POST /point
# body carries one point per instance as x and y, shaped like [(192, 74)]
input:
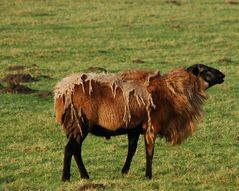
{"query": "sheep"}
[(132, 103)]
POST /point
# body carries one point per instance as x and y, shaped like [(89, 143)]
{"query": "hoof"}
[(66, 177), (124, 171), (148, 176)]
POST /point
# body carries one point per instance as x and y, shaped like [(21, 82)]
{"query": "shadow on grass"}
[(7, 179), (90, 186)]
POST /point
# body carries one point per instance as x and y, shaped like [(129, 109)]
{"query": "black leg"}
[(132, 146), (78, 159), (67, 160), (149, 147)]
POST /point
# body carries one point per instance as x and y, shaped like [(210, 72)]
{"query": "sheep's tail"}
[(59, 109), (69, 118)]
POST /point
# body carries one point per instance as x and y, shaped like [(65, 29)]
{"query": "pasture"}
[(43, 41)]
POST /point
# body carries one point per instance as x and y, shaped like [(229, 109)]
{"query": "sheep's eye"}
[(209, 76)]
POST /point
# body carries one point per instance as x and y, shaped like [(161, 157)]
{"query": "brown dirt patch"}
[(96, 70), (34, 65), (12, 83), (16, 68), (175, 26), (90, 186), (138, 61), (102, 51), (18, 78), (232, 2), (44, 94), (174, 2), (45, 76), (225, 60), (17, 88)]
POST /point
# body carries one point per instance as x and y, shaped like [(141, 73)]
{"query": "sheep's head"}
[(210, 75)]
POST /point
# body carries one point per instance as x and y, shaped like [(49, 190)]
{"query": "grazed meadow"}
[(52, 39)]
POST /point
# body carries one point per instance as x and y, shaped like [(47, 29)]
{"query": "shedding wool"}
[(91, 85), (168, 105)]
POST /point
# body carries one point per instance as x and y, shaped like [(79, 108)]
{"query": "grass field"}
[(52, 39)]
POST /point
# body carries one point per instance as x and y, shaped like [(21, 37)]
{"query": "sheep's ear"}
[(154, 76), (194, 70), (157, 73)]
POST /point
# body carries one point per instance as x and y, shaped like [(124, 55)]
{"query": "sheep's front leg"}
[(149, 147), (132, 146), (69, 150)]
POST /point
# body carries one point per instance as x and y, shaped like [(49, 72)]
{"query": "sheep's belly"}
[(102, 132)]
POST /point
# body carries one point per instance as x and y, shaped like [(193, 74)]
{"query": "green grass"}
[(66, 36)]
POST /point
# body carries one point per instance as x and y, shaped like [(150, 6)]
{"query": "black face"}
[(211, 75)]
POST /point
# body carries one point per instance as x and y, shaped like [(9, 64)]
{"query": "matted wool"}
[(65, 88)]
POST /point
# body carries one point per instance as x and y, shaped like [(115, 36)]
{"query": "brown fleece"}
[(168, 105)]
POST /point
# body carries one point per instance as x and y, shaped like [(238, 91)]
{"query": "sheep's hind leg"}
[(132, 146), (78, 158), (69, 150)]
